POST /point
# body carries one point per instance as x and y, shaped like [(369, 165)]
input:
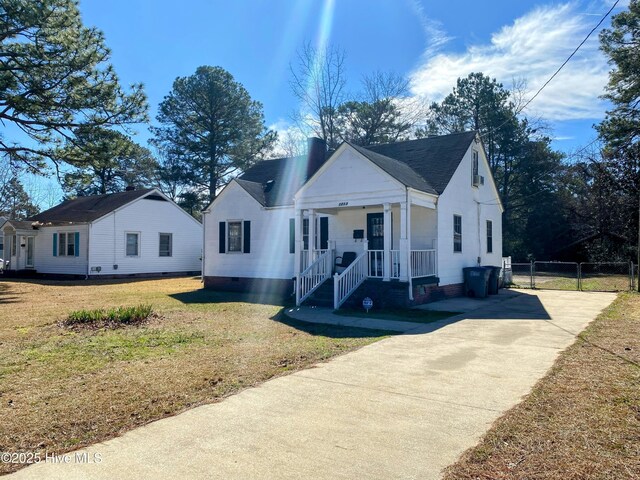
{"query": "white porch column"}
[(404, 243), (312, 235), (297, 241), (386, 264)]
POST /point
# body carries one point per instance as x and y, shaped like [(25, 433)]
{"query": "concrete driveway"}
[(404, 407)]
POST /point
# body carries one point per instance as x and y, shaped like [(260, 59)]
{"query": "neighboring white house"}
[(137, 232), (412, 213)]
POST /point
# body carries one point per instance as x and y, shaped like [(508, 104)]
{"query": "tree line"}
[(71, 117)]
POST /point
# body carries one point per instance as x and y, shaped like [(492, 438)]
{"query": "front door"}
[(375, 236), (30, 252), (375, 231)]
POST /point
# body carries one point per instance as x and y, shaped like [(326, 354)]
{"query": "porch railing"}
[(377, 260), (395, 264), (423, 263), (313, 276), (304, 258), (344, 284)]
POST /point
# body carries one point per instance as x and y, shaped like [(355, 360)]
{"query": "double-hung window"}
[(132, 244), (457, 233), (166, 244), (489, 236), (66, 244), (234, 237)]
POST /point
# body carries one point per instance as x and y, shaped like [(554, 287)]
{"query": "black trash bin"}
[(494, 279), (476, 281)]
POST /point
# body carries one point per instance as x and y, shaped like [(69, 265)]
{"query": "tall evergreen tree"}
[(620, 130), (54, 77), (216, 127), (15, 202), (105, 161)]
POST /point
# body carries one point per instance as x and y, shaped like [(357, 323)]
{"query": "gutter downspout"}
[(88, 250)]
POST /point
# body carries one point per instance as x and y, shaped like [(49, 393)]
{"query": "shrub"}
[(111, 316)]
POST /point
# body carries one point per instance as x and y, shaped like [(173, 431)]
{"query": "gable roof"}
[(87, 209), (273, 183), (17, 224), (433, 160), (397, 169)]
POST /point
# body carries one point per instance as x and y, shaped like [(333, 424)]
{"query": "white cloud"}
[(533, 47)]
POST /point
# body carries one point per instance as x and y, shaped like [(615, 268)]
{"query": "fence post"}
[(579, 272), (632, 277), (532, 281)]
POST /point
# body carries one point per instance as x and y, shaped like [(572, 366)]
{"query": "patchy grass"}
[(61, 388), (109, 317), (400, 314), (580, 421)]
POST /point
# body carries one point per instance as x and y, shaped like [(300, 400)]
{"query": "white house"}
[(137, 232), (2, 220), (409, 214)]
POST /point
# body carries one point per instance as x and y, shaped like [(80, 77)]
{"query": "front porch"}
[(389, 242)]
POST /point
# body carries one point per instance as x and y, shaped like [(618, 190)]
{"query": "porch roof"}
[(18, 224)]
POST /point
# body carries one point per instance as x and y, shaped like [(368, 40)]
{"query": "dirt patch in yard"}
[(62, 389), (580, 421)]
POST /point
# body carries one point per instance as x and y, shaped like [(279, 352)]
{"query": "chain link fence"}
[(586, 276)]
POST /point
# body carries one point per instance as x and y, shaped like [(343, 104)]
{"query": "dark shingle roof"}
[(18, 224), (398, 170), (87, 209), (434, 159), (286, 175), (426, 164)]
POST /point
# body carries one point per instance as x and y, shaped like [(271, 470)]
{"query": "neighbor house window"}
[(234, 239), (457, 233), (166, 244), (66, 244), (489, 236), (14, 244), (133, 244)]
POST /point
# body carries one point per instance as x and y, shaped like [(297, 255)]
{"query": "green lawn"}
[(66, 387)]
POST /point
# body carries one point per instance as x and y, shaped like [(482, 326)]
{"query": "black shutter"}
[(221, 239), (324, 233), (292, 235), (247, 237)]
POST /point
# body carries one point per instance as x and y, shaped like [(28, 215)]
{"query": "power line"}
[(560, 67)]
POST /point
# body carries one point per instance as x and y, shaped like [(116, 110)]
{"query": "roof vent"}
[(268, 185)]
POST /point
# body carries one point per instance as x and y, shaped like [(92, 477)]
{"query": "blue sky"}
[(432, 43)]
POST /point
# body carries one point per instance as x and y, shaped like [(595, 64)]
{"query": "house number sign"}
[(343, 204)]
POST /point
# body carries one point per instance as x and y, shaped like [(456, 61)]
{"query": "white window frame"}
[(475, 164), (126, 253), (240, 237), (170, 244), (489, 224), (64, 252), (455, 234)]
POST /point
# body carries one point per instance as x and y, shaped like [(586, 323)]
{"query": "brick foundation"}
[(433, 293), (275, 286)]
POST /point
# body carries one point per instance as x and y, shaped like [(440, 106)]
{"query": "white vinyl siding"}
[(149, 218)]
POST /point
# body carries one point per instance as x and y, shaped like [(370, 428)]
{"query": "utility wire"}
[(559, 68)]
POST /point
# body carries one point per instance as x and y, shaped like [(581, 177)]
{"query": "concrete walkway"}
[(404, 407)]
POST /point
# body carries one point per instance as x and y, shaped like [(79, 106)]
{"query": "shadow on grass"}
[(6, 294), (205, 295), (60, 282)]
